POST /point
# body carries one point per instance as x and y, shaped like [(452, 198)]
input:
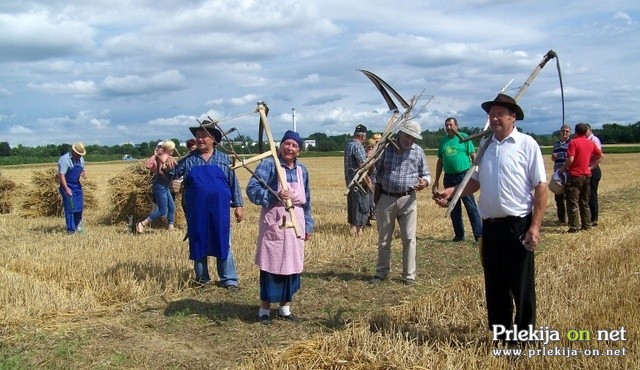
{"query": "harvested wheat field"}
[(109, 299)]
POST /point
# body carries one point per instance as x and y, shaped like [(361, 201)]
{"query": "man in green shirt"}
[(455, 159)]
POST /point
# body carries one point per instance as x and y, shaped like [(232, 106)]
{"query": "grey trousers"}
[(405, 210)]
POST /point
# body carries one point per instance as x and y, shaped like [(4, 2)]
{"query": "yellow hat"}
[(369, 143), (168, 145)]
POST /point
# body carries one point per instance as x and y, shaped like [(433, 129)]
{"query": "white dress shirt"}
[(508, 173)]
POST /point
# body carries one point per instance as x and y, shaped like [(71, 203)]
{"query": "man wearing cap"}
[(357, 199), (70, 169), (582, 156), (512, 202), (402, 170), (210, 190), (454, 158)]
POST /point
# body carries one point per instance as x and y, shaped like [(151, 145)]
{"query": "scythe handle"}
[(548, 56), (456, 196)]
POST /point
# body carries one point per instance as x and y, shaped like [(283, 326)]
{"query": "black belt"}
[(503, 220), (397, 195), (458, 173)]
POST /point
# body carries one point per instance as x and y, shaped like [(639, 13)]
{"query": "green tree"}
[(5, 149)]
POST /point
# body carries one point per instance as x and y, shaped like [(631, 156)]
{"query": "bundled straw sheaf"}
[(7, 193), (43, 199), (131, 195)]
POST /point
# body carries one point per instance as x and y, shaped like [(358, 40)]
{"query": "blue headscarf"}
[(293, 136)]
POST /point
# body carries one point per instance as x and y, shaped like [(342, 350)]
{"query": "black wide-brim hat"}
[(504, 100), (207, 125)]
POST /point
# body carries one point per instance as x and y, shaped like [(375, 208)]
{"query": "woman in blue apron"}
[(70, 169)]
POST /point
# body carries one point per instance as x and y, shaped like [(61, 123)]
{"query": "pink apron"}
[(279, 251)]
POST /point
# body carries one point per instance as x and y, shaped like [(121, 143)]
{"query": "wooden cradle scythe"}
[(263, 110), (487, 132)]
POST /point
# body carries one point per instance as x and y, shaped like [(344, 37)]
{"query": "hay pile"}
[(7, 193), (43, 199), (130, 195)]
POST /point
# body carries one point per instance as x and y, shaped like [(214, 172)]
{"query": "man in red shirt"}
[(581, 155)]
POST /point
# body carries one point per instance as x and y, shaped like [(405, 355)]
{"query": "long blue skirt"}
[(278, 288)]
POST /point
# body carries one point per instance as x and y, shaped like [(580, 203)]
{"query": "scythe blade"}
[(382, 82), (377, 82)]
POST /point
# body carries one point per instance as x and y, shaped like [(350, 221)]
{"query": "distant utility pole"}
[(293, 118)]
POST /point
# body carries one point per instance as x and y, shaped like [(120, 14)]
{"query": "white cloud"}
[(623, 17), (133, 84), (20, 130), (119, 71), (40, 35), (72, 88)]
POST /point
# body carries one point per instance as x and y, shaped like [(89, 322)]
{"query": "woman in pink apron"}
[(279, 252)]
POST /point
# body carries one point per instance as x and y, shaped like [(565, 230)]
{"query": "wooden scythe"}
[(273, 152), (483, 146)]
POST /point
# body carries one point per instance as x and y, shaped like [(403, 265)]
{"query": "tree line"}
[(611, 133)]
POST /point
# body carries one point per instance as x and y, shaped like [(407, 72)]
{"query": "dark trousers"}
[(561, 209), (577, 190), (508, 273), (596, 175), (469, 203)]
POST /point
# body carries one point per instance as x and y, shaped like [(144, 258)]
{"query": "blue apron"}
[(208, 200)]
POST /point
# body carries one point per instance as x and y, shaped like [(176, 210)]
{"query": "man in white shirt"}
[(512, 203)]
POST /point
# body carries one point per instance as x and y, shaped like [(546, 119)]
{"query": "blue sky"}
[(110, 72)]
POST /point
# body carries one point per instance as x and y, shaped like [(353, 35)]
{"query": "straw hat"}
[(168, 145), (78, 148), (556, 187)]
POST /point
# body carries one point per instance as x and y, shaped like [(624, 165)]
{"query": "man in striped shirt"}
[(559, 156)]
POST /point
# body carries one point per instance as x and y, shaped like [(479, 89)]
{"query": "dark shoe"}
[(477, 237), (572, 230), (409, 282), (561, 222), (232, 288), (375, 280), (594, 223), (265, 320), (290, 317), (458, 239)]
